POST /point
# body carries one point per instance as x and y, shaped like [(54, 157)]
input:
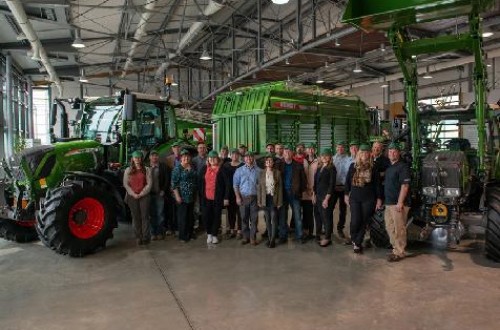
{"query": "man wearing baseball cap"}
[(160, 186), (397, 203), (342, 162)]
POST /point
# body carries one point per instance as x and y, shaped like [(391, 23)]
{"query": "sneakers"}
[(209, 239), (215, 240)]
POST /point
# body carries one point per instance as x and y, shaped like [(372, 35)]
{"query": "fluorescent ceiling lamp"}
[(319, 80), (357, 68), (287, 61), (280, 2), (382, 47), (78, 42), (337, 43), (384, 85), (427, 75), (487, 34), (83, 79), (205, 56)]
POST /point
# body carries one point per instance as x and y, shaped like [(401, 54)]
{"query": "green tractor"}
[(70, 194), (454, 185)]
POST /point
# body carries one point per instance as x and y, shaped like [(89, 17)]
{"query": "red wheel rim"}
[(86, 218)]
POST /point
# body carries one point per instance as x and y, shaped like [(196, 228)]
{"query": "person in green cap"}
[(233, 210), (363, 193), (342, 161), (160, 188), (324, 187), (175, 158), (212, 190), (137, 182), (184, 185), (353, 149), (172, 161), (310, 167), (397, 202), (270, 197)]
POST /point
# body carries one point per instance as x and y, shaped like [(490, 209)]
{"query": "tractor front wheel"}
[(20, 232), (492, 237), (77, 220)]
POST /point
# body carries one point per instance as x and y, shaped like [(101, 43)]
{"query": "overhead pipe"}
[(432, 68), (17, 9), (195, 28), (140, 32)]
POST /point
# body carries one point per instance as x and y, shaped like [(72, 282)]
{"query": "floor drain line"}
[(171, 289)]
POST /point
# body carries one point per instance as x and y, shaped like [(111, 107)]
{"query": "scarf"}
[(362, 174)]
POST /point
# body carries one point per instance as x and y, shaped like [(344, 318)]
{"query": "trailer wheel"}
[(378, 234), (14, 231), (77, 220), (492, 237)]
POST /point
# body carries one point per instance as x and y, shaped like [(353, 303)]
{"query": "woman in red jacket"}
[(137, 183)]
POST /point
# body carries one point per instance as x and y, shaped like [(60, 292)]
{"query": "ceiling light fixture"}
[(384, 85), (382, 47), (287, 61), (78, 42), (34, 54), (337, 43), (319, 80), (427, 75), (357, 68), (205, 56), (487, 34), (280, 2)]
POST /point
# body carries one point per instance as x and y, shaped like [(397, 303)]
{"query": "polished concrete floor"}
[(171, 285)]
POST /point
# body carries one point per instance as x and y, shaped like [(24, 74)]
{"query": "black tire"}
[(57, 221), (12, 231), (378, 234), (492, 234)]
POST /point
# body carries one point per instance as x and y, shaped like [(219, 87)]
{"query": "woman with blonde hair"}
[(363, 193)]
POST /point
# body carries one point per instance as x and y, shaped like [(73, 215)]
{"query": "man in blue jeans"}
[(294, 184), (245, 181)]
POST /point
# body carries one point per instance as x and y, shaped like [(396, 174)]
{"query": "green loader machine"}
[(288, 113), (70, 194), (454, 185)]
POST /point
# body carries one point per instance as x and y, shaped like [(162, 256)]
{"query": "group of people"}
[(286, 177)]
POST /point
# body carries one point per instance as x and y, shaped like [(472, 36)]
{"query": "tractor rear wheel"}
[(77, 220), (492, 237), (378, 235), (14, 231)]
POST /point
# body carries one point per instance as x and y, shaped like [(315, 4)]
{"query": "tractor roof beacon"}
[(457, 186)]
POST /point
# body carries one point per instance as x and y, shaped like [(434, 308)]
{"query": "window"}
[(445, 129), (41, 111)]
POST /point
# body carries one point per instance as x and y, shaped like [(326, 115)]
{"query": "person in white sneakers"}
[(212, 192)]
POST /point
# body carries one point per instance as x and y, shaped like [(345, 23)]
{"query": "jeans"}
[(308, 216), (361, 213), (271, 216), (171, 206), (249, 211), (212, 214), (185, 220), (157, 214), (326, 216), (290, 200), (339, 195)]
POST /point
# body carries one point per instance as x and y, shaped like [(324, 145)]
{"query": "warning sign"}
[(199, 134)]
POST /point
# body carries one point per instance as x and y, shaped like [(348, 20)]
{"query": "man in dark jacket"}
[(294, 184), (161, 186)]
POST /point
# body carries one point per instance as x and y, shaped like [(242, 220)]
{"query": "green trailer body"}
[(275, 112)]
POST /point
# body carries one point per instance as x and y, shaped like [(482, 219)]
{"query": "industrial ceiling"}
[(135, 44)]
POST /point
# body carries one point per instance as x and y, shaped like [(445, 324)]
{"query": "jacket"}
[(145, 191), (324, 181), (164, 177), (220, 186), (310, 169), (299, 180), (278, 189)]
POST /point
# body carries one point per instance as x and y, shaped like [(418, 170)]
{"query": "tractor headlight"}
[(429, 191), (451, 192)]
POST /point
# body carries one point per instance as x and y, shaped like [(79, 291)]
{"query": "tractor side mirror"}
[(53, 114), (129, 107)]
